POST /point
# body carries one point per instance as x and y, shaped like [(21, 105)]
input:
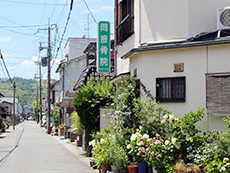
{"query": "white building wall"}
[(72, 72), (197, 62), (75, 46)]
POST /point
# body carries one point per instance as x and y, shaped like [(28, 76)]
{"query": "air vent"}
[(179, 67), (223, 18)]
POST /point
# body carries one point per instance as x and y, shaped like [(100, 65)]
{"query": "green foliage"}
[(77, 126), (88, 100), (110, 149), (36, 109), (127, 108), (26, 89), (56, 116)]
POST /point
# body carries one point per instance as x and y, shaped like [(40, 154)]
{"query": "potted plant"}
[(101, 154), (120, 158)]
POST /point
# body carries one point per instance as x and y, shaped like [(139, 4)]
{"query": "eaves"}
[(174, 46), (69, 61)]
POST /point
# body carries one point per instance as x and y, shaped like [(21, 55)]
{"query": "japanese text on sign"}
[(103, 46)]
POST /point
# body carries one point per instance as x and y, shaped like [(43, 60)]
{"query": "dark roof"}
[(202, 39), (91, 71), (1, 95)]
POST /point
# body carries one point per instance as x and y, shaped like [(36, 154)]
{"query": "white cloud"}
[(29, 64), (107, 8), (5, 39)]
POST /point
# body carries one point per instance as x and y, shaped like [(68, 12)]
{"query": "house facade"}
[(70, 69), (178, 53)]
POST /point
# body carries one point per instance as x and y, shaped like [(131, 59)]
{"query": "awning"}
[(70, 93), (67, 103)]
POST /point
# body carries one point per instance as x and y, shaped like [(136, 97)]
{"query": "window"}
[(124, 19), (218, 94), (170, 89)]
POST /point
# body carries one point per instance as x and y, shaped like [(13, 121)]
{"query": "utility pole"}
[(48, 99), (37, 114), (14, 85), (40, 92), (48, 76)]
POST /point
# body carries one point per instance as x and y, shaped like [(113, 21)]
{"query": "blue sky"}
[(21, 19)]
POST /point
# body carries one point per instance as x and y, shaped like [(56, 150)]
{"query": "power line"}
[(23, 26), (90, 11), (17, 32), (67, 21), (13, 22), (33, 3)]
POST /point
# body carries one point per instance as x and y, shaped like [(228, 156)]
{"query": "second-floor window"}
[(124, 19), (170, 89)]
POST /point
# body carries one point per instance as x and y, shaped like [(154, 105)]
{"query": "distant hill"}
[(26, 89)]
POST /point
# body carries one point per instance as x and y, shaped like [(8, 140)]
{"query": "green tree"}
[(88, 100)]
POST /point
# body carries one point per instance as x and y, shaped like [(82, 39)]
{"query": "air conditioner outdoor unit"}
[(223, 18)]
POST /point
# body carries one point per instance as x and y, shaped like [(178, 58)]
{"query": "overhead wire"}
[(14, 22), (65, 28), (90, 11), (32, 3)]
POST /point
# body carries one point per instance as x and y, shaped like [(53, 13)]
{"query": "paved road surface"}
[(29, 149)]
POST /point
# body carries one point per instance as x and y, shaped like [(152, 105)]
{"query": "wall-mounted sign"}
[(103, 46)]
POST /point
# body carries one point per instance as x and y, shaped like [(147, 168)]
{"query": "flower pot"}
[(105, 167), (101, 171), (124, 170), (153, 170), (142, 167), (133, 169), (114, 168)]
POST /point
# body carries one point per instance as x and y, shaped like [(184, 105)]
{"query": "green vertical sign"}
[(103, 46)]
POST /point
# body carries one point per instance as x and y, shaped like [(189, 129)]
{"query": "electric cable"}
[(67, 21), (32, 3), (90, 11), (14, 22)]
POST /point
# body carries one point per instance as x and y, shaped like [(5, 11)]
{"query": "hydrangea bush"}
[(154, 135)]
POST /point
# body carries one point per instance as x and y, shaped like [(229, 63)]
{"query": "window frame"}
[(124, 20), (171, 93)]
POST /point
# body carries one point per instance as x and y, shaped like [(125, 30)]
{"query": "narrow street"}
[(29, 149)]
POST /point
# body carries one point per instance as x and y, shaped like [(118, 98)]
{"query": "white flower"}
[(165, 117), (176, 119), (128, 146), (101, 139), (171, 117), (138, 133), (146, 136), (174, 141), (92, 142), (140, 127), (133, 137), (226, 159), (167, 142), (162, 121)]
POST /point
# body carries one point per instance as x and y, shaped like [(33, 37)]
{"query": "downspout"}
[(207, 86)]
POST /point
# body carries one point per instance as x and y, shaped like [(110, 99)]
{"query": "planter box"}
[(61, 132)]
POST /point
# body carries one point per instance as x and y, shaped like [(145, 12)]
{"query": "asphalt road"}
[(29, 149)]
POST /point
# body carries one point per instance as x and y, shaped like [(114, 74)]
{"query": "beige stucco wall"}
[(197, 62), (157, 21), (169, 20)]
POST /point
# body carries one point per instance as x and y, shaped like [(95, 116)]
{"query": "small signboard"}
[(103, 46), (43, 104)]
